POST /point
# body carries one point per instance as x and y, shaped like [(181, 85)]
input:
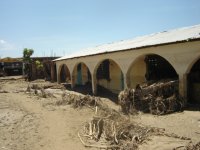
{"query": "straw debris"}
[(158, 98)]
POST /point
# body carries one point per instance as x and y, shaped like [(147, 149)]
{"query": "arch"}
[(149, 67), (81, 76), (193, 82), (108, 75), (64, 74), (191, 64)]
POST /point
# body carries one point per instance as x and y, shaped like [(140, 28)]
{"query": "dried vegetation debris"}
[(190, 146), (45, 85), (116, 134), (193, 146), (108, 128), (78, 100), (39, 90), (158, 98)]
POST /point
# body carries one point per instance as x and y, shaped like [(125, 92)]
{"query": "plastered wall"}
[(180, 55), (136, 74), (114, 84)]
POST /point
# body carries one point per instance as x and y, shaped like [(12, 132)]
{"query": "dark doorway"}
[(194, 84), (157, 68), (65, 75)]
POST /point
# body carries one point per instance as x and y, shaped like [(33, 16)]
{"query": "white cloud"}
[(2, 41), (4, 45)]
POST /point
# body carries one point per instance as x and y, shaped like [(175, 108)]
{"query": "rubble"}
[(193, 146), (38, 90), (79, 100), (108, 129), (158, 98)]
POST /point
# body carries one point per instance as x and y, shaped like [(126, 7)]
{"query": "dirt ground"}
[(29, 122)]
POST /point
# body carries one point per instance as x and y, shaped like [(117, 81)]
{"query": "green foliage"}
[(27, 55), (39, 65)]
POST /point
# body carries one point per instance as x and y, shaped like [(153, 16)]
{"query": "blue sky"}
[(61, 27)]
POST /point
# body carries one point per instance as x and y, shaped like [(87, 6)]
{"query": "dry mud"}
[(29, 122)]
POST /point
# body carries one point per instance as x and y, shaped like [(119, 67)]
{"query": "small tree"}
[(27, 53), (39, 65)]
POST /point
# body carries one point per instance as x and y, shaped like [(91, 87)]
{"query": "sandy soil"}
[(29, 122)]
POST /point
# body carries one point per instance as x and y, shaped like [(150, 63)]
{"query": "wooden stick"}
[(96, 110), (97, 146), (90, 128)]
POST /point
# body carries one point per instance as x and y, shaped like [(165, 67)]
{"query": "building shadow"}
[(83, 89), (87, 90), (105, 93), (192, 107)]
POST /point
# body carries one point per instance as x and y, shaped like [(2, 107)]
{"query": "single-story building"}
[(173, 54), (11, 66)]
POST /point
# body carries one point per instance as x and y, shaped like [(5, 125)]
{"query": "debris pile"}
[(112, 131), (108, 129), (38, 90), (193, 147), (158, 98), (79, 100), (45, 85)]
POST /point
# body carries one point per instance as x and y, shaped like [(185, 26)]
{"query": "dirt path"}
[(52, 129), (57, 129)]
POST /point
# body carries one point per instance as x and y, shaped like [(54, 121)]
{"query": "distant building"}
[(48, 71), (11, 66)]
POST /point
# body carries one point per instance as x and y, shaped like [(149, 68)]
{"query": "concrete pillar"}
[(72, 81), (183, 85), (125, 81), (94, 84)]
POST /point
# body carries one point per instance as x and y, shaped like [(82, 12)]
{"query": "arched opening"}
[(65, 74), (82, 78), (150, 68), (109, 76), (194, 84)]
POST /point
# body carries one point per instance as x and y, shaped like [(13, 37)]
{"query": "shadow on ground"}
[(87, 90)]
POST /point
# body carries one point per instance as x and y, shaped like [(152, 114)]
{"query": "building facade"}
[(171, 54), (11, 66)]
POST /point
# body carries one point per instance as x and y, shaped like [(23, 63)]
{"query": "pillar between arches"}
[(183, 86), (72, 82), (94, 84)]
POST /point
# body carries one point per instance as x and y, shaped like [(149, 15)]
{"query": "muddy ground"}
[(29, 122)]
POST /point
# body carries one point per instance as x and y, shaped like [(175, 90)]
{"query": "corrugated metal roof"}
[(166, 37)]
